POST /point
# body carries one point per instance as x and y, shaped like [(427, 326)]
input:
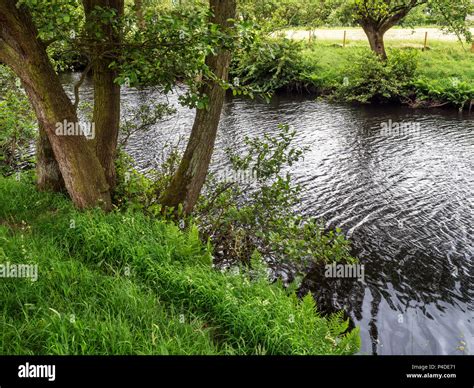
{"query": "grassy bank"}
[(122, 283), (329, 61), (441, 75)]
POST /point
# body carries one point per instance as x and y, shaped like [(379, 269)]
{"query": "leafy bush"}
[(245, 219), (270, 65), (254, 217), (141, 191), (275, 14), (368, 79), (135, 190), (17, 123), (445, 91)]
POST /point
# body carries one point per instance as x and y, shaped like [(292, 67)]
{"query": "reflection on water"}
[(405, 196)]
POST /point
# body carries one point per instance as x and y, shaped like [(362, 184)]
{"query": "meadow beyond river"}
[(399, 182)]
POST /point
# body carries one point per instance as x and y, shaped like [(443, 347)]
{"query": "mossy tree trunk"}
[(21, 50), (106, 116), (48, 174), (376, 40), (187, 183)]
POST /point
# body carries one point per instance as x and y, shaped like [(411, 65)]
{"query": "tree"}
[(377, 16), (278, 14), (105, 40), (139, 13), (25, 54), (187, 183)]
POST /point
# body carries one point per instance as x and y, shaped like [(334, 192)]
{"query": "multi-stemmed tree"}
[(75, 161), (150, 51)]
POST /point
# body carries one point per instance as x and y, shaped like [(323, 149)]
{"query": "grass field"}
[(443, 60)]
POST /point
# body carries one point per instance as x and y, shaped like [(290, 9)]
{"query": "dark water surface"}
[(405, 198)]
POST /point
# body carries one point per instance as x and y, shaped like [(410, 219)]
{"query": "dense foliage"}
[(252, 209), (17, 124), (276, 14), (270, 65), (249, 210), (368, 79)]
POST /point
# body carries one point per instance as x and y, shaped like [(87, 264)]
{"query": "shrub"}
[(17, 123), (269, 65), (141, 191), (445, 91), (243, 219), (369, 79)]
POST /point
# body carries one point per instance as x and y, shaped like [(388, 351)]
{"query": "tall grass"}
[(134, 285), (73, 309)]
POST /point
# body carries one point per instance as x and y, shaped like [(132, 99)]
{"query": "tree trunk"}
[(375, 29), (375, 37), (48, 174), (26, 55), (106, 116), (139, 12), (187, 183)]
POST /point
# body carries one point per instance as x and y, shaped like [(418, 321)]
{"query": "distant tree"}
[(376, 17), (277, 14)]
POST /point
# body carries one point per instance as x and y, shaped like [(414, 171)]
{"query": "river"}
[(404, 196)]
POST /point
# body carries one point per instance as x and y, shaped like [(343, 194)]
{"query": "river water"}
[(404, 196)]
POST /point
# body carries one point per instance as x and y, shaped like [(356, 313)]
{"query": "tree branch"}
[(48, 42)]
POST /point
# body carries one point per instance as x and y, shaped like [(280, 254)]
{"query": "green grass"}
[(139, 286), (444, 74), (443, 60), (72, 309)]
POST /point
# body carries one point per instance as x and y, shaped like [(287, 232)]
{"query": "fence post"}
[(344, 40), (426, 41)]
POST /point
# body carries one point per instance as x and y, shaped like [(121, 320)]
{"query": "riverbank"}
[(122, 283), (442, 75)]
